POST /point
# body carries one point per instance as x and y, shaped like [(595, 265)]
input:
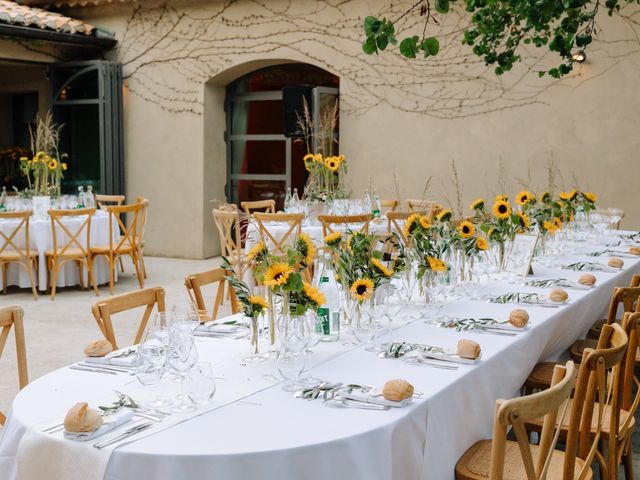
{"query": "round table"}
[(254, 429), (41, 239)]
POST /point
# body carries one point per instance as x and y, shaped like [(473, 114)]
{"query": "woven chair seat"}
[(540, 376), (596, 328), (475, 463), (578, 347)]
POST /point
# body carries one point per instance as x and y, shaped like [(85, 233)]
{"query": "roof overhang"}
[(17, 31)]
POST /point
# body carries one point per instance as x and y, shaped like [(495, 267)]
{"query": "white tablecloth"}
[(270, 435), (41, 239)]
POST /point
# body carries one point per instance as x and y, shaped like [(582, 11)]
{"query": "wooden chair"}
[(278, 244), (127, 245), (267, 206), (596, 415), (430, 206), (330, 221), (142, 225), (388, 205), (194, 284), (12, 316), (72, 249), (396, 223), (228, 224), (607, 213), (594, 331), (104, 309), (11, 252), (499, 458), (103, 201)]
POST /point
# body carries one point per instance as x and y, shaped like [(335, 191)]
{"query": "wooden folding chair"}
[(491, 459), (12, 316), (104, 309), (430, 206), (266, 206), (230, 235), (127, 245), (104, 201), (194, 284), (388, 205), (607, 213), (142, 225), (11, 252), (73, 249), (346, 221), (396, 223), (276, 242)]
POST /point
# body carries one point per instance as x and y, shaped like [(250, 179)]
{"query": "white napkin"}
[(447, 357), (112, 421), (374, 399), (113, 358)]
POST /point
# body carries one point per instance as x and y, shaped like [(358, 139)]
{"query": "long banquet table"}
[(254, 429)]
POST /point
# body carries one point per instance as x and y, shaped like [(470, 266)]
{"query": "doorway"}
[(263, 162)]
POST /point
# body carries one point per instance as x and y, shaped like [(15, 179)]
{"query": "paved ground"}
[(57, 332)]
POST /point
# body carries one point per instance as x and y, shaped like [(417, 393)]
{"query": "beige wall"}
[(409, 117)]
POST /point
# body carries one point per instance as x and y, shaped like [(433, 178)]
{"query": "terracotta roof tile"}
[(22, 15)]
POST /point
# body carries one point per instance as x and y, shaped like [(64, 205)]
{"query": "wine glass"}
[(364, 327), (182, 357), (153, 350), (201, 383), (615, 215)]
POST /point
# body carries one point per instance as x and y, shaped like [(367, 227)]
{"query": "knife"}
[(127, 433)]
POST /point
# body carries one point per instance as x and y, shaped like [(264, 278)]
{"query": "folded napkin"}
[(223, 326), (124, 358), (119, 418), (374, 399), (446, 357)]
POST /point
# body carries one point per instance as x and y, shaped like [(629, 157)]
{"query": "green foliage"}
[(500, 27)]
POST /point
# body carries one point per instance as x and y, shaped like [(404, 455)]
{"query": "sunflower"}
[(333, 239), (277, 275), (362, 289), (313, 294), (318, 158), (53, 164), (557, 222), (501, 209), (545, 197), (424, 222), (524, 197), (566, 196), (524, 220), (501, 198), (308, 161), (24, 159), (549, 226), (572, 194), (591, 197), (256, 251), (437, 265), (36, 159), (332, 163), (340, 159), (306, 248), (64, 166), (380, 267), (481, 243), (258, 303), (477, 204), (444, 215), (411, 224), (466, 229)]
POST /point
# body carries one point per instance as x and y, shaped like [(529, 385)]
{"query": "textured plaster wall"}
[(411, 118)]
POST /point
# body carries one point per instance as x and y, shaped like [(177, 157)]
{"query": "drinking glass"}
[(364, 325), (295, 337), (615, 215), (153, 350), (201, 384), (182, 357)]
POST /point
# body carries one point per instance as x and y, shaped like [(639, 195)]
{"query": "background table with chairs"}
[(254, 429)]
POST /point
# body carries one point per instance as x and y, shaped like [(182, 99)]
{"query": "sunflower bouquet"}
[(326, 177)]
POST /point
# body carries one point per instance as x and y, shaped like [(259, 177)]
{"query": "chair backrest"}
[(388, 205), (607, 213), (268, 206), (12, 316), (142, 218), (108, 200), (598, 385), (397, 221), (430, 206), (630, 401), (11, 240), (228, 225), (628, 297), (104, 309), (128, 232), (635, 280), (347, 221), (194, 284), (276, 242), (550, 403), (73, 235)]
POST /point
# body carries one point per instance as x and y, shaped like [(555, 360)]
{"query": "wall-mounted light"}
[(579, 57)]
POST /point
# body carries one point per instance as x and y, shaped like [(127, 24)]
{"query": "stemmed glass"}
[(183, 355), (153, 351), (615, 215)]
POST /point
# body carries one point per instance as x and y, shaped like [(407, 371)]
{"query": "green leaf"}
[(583, 40), (382, 41), (432, 45), (442, 6), (371, 25), (369, 46), (409, 47)]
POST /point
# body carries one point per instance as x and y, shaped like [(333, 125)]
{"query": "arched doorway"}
[(263, 160)]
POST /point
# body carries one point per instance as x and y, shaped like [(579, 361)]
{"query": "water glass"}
[(201, 384), (182, 356)]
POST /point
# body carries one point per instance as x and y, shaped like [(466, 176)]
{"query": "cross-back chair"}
[(15, 248), (266, 206), (430, 206), (228, 223), (607, 213), (103, 310), (396, 222), (12, 316), (388, 205), (126, 245), (194, 284), (329, 222), (142, 226), (499, 458), (70, 245), (104, 201), (279, 241), (594, 331)]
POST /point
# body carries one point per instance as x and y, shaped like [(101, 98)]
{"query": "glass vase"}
[(256, 354)]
